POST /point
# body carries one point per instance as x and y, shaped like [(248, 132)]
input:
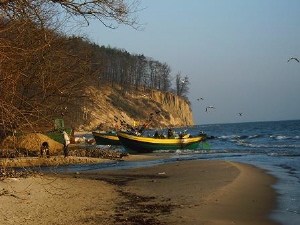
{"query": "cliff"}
[(110, 106)]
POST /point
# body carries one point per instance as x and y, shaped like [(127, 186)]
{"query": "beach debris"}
[(77, 156), (91, 141), (79, 140), (98, 153), (4, 192), (12, 173), (142, 209)]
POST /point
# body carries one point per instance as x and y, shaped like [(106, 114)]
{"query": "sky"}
[(234, 53)]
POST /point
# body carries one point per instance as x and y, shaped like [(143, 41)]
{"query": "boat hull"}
[(138, 144), (108, 138), (57, 135)]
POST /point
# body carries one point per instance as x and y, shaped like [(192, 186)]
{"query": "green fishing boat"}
[(56, 132)]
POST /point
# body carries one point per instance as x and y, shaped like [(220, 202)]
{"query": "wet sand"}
[(61, 160), (185, 192)]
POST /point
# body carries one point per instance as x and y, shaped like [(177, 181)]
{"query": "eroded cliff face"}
[(109, 108), (180, 113)]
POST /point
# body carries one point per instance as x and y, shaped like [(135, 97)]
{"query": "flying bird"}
[(240, 114), (199, 99), (293, 58), (209, 107)]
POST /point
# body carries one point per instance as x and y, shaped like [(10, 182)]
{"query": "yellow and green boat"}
[(140, 144)]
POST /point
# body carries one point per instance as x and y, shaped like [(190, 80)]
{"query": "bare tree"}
[(40, 71), (165, 77), (181, 85), (107, 12)]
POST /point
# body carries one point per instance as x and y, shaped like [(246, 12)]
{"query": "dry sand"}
[(190, 192)]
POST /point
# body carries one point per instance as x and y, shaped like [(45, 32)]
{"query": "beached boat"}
[(57, 135), (140, 144), (106, 138), (58, 128)]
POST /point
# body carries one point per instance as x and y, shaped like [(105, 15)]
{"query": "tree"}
[(182, 88), (44, 13), (40, 70), (165, 77), (109, 13)]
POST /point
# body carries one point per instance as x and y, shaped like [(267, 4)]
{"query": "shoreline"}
[(183, 192), (61, 160)]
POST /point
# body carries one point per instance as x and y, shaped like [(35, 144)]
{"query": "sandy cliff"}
[(108, 107)]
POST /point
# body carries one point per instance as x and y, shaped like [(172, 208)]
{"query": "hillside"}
[(107, 107)]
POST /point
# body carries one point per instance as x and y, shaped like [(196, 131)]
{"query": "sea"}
[(273, 146)]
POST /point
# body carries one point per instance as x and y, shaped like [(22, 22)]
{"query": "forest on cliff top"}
[(45, 72)]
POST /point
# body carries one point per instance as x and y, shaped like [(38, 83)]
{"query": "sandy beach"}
[(184, 192)]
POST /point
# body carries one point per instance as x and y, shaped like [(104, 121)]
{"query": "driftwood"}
[(6, 172)]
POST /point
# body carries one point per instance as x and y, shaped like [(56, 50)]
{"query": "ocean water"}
[(272, 146)]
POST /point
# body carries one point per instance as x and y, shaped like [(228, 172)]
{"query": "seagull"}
[(199, 99), (240, 114), (293, 59), (209, 107)]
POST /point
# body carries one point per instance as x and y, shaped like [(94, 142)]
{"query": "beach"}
[(183, 192)]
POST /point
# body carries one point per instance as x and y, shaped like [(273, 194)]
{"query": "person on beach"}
[(66, 143), (170, 133), (45, 149)]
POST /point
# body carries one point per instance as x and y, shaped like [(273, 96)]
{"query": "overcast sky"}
[(234, 52)]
